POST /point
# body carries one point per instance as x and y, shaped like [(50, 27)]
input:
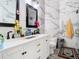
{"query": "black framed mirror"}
[(31, 16), (8, 12)]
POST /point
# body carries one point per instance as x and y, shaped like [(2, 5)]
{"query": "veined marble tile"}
[(52, 16), (68, 9), (41, 15)]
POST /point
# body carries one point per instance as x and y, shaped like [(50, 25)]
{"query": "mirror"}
[(32, 16), (7, 12)]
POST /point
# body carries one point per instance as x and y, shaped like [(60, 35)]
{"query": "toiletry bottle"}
[(21, 33), (29, 32), (1, 41), (17, 29)]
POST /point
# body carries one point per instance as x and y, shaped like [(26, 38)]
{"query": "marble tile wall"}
[(41, 15), (57, 13), (68, 10), (52, 17)]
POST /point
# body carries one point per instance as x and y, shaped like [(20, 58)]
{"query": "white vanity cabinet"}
[(44, 48), (35, 49), (13, 53), (21, 52), (29, 49)]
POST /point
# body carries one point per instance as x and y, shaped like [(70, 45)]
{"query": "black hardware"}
[(8, 36), (23, 53), (1, 35), (13, 36)]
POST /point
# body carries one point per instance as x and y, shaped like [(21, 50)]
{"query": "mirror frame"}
[(6, 25), (27, 15), (10, 24)]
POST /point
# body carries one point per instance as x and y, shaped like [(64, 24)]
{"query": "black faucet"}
[(8, 34), (1, 35)]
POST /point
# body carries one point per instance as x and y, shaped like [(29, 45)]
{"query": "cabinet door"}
[(30, 49), (47, 47), (15, 55), (44, 48)]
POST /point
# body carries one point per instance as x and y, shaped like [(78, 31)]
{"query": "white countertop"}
[(19, 41)]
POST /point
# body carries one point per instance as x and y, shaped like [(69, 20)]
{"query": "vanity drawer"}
[(30, 48)]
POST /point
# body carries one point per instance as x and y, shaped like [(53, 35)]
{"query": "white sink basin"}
[(29, 37)]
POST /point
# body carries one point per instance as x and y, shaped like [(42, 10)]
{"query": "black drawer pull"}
[(23, 53)]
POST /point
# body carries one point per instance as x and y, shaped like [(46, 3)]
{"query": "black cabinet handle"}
[(23, 53)]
